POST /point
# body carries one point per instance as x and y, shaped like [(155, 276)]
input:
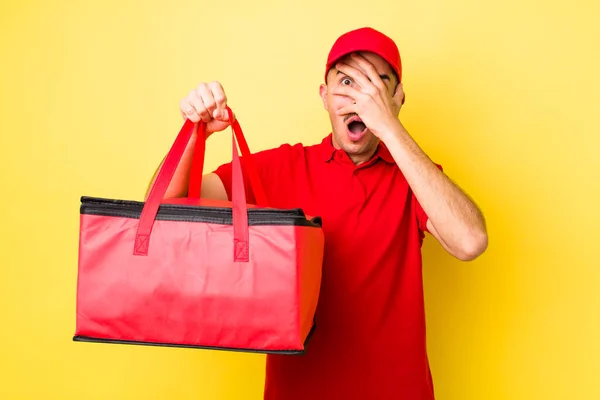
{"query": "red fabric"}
[(181, 293), (370, 337)]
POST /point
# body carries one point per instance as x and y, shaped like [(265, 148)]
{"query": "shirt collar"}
[(328, 151)]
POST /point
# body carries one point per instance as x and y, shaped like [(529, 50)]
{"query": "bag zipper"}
[(190, 213)]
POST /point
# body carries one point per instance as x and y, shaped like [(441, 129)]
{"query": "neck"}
[(364, 154), (358, 159)]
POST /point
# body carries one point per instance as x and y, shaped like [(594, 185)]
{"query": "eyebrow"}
[(383, 77)]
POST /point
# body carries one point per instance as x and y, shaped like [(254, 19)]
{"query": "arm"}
[(453, 218), (212, 187), (206, 103)]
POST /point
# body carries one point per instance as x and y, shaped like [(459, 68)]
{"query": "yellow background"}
[(503, 94)]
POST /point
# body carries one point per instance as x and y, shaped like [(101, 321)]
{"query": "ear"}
[(399, 96), (323, 94)]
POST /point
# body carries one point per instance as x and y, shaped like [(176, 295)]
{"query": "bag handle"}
[(195, 180), (163, 179)]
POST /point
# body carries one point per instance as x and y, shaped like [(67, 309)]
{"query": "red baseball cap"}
[(369, 40)]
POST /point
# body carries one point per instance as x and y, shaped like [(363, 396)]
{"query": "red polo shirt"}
[(369, 342)]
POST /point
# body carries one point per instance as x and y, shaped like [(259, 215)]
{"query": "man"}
[(377, 193)]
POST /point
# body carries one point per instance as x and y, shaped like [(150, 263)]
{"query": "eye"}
[(346, 81)]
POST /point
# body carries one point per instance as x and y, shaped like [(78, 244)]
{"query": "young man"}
[(377, 193)]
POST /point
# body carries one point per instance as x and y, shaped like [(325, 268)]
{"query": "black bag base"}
[(79, 338)]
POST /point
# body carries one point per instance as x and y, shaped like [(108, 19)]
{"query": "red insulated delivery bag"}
[(196, 272)]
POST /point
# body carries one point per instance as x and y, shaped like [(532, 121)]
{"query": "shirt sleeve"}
[(224, 173), (422, 217), (266, 162)]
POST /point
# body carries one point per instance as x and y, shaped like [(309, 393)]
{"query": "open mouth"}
[(356, 128)]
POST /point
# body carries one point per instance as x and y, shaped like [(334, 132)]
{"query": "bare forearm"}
[(455, 217), (179, 184)]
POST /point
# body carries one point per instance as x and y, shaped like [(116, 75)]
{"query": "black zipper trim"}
[(80, 338), (188, 213)]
